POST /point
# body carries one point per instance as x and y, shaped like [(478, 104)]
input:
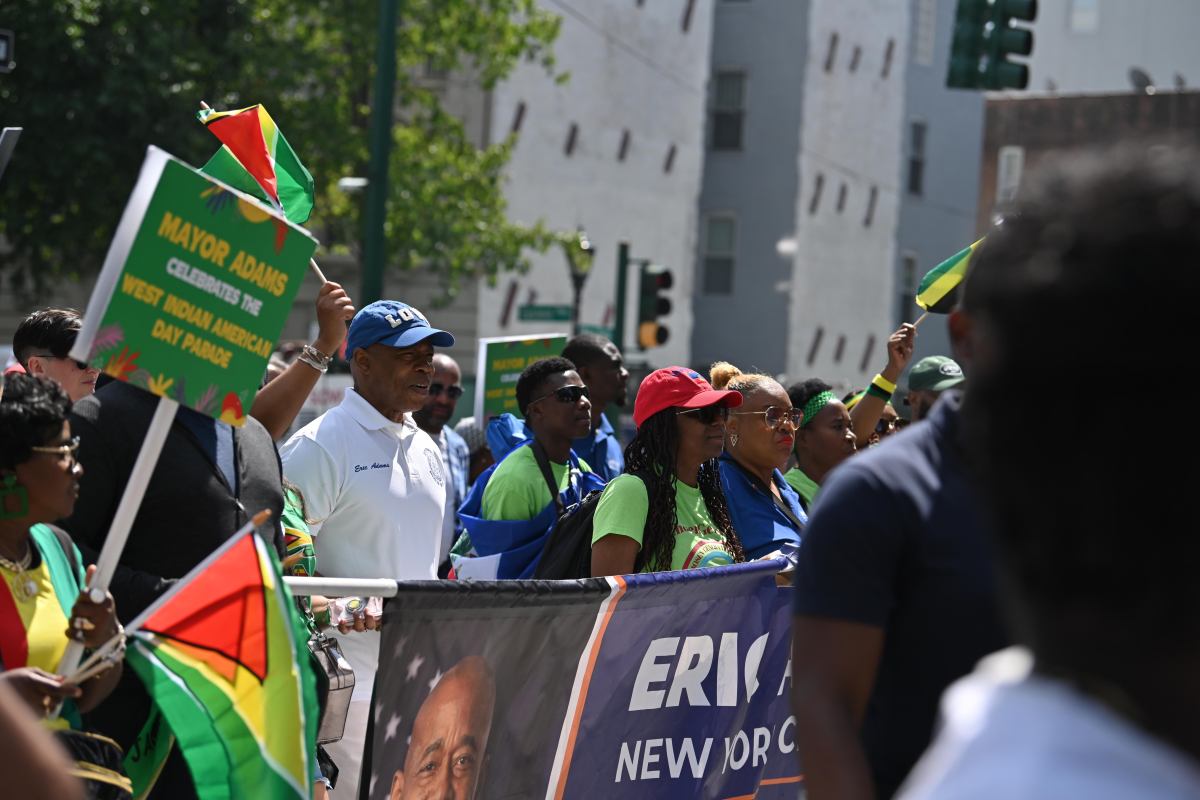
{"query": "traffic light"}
[(984, 37), (652, 305), (1006, 39)]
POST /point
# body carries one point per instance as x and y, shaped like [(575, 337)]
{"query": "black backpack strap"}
[(543, 462)]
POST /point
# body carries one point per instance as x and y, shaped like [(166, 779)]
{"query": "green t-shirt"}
[(623, 508), (518, 490), (804, 485)]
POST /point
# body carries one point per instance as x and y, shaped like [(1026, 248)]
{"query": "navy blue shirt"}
[(601, 450), (897, 540), (760, 523)]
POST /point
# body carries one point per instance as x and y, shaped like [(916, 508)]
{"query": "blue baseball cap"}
[(394, 324)]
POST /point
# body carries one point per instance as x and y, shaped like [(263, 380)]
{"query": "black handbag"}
[(97, 762), (335, 684)]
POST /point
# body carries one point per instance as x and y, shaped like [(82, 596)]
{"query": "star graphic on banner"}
[(374, 780), (393, 725), (378, 711), (436, 679), (414, 666), (399, 647)]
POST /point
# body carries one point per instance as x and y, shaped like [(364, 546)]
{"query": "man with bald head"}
[(449, 736), (444, 391)]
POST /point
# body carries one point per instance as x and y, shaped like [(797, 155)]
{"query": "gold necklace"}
[(26, 587)]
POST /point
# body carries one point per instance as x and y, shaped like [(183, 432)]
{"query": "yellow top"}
[(43, 618)]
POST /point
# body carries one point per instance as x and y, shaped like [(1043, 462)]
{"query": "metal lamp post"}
[(580, 255)]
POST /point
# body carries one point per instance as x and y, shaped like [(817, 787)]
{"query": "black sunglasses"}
[(80, 364), (564, 394), (708, 414), (453, 391)]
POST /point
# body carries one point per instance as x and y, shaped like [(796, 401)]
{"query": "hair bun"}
[(721, 373)]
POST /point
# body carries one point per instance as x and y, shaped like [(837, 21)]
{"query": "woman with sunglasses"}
[(668, 511), (42, 605), (764, 509), (824, 440), (511, 508)]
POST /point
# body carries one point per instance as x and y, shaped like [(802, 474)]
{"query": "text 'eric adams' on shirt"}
[(897, 540)]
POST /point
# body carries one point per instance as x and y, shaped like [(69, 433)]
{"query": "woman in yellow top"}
[(668, 511), (41, 604)]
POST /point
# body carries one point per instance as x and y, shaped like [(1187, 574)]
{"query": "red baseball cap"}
[(678, 387)]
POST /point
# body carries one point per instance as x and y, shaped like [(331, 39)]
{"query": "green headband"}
[(814, 406)]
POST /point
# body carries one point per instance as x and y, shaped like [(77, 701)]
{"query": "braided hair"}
[(651, 456)]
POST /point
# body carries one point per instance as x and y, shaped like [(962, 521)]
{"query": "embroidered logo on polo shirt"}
[(435, 466)]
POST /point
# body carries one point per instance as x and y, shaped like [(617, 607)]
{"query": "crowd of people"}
[(917, 553)]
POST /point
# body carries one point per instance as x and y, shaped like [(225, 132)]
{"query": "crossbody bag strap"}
[(779, 501), (543, 462)]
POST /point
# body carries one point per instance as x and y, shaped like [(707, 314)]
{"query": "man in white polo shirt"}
[(374, 484)]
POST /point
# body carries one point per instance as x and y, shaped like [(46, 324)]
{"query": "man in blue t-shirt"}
[(599, 364), (895, 600)]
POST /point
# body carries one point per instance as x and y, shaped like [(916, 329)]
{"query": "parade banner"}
[(195, 290), (500, 362), (659, 685)]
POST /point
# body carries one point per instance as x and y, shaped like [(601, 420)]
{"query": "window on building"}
[(888, 52), (1085, 16), (687, 14), (865, 363), (924, 32), (815, 202), (720, 238), (623, 150), (841, 201), (518, 118), (870, 215), (815, 347), (839, 349), (855, 57), (907, 288), (1009, 164), (572, 136), (916, 158), (669, 161), (831, 53), (728, 110)]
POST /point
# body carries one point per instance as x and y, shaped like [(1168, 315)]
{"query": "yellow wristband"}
[(884, 383)]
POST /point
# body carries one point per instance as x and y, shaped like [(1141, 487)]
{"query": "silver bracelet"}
[(315, 358)]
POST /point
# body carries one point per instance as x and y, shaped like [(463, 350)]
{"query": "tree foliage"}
[(98, 80)]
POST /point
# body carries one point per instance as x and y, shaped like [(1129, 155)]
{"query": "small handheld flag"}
[(938, 292), (257, 159)]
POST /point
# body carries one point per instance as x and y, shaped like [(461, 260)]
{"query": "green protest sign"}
[(500, 362), (195, 290)]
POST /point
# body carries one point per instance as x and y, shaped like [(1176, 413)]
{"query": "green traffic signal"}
[(984, 38)]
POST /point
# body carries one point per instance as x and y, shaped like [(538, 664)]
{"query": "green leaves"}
[(98, 81)]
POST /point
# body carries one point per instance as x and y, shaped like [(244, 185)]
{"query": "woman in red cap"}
[(668, 511)]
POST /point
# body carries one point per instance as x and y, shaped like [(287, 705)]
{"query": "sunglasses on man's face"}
[(454, 391), (79, 364), (708, 414), (565, 394)]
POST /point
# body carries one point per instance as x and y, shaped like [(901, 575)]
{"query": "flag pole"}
[(921, 319), (312, 262), (118, 532)]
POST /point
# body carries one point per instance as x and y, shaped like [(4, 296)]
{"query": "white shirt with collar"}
[(375, 497)]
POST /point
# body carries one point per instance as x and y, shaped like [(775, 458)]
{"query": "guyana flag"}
[(938, 292), (257, 160), (224, 658)]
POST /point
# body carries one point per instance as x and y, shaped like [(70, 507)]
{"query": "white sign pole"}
[(131, 500)]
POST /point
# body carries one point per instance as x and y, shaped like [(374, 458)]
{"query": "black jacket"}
[(189, 509)]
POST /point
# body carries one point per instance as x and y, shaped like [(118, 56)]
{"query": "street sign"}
[(544, 313)]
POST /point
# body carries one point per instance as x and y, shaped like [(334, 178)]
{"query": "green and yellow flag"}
[(938, 292), (224, 659)]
